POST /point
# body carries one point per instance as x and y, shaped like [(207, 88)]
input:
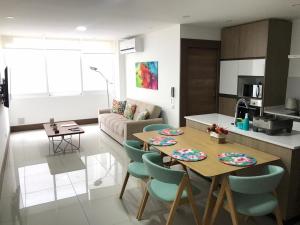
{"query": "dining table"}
[(211, 167)]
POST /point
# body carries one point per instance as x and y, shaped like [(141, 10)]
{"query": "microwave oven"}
[(253, 90)]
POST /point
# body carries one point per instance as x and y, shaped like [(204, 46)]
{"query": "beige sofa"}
[(121, 128)]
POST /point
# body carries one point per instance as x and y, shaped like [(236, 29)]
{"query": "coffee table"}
[(65, 136)]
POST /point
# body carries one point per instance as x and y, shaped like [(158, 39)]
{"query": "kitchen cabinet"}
[(267, 44), (228, 77), (231, 69), (253, 39), (227, 105), (230, 43), (251, 67)]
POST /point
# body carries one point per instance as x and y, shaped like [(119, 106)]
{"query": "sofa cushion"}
[(153, 110), (118, 106), (113, 121), (129, 111)]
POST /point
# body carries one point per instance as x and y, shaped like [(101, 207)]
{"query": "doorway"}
[(199, 77)]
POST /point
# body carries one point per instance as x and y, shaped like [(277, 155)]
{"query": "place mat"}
[(162, 141), (170, 132), (236, 159), (187, 154)]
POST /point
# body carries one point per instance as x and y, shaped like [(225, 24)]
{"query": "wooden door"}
[(254, 39), (230, 37), (199, 77)]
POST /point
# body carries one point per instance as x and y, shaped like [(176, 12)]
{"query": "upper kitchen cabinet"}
[(253, 40), (230, 42)]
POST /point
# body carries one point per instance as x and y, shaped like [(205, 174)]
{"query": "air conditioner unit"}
[(131, 45)]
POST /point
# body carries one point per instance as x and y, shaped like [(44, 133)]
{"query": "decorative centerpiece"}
[(217, 134)]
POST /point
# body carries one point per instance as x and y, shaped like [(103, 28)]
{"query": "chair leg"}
[(277, 211), (192, 203), (231, 206), (143, 204), (177, 200), (124, 185), (211, 201), (218, 204)]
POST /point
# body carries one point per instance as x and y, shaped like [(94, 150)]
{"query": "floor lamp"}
[(106, 80)]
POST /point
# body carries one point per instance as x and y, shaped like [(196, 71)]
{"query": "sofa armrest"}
[(133, 126), (101, 111)]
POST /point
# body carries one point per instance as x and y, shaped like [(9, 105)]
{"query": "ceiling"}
[(116, 19)]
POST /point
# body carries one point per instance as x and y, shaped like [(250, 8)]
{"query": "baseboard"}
[(38, 126), (4, 164)]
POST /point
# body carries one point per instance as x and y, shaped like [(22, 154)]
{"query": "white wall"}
[(40, 109), (197, 32), (4, 118), (162, 46)]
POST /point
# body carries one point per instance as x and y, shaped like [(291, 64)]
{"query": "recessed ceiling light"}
[(9, 17), (186, 16), (81, 28)]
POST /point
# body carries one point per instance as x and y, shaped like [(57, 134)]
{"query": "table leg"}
[(79, 143), (230, 201), (225, 191), (210, 201)]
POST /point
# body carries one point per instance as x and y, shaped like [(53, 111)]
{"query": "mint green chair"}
[(153, 127), (167, 185), (136, 167), (255, 195)]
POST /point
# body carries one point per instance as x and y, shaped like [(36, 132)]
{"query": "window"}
[(92, 81), (27, 70), (64, 72), (57, 67)]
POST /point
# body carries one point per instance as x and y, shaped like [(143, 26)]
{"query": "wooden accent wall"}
[(227, 105)]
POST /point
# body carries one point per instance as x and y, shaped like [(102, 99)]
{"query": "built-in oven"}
[(251, 89)]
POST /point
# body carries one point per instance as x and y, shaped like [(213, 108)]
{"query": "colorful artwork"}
[(147, 75)]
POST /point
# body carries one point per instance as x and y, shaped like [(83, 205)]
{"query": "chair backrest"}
[(133, 150), (156, 170), (257, 184), (153, 127)]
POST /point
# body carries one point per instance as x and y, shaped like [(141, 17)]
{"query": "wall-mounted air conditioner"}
[(131, 45)]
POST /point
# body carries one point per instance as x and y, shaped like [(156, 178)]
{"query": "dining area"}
[(243, 180)]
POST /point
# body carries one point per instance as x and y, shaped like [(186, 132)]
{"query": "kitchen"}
[(259, 63)]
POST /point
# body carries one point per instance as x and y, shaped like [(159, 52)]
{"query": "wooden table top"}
[(211, 166), (62, 130)]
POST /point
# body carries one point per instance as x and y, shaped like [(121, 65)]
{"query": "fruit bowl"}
[(217, 134)]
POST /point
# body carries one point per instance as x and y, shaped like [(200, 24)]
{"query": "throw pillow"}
[(118, 106), (143, 115), (129, 111)]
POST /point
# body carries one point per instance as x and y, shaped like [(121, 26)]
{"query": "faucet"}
[(241, 100)]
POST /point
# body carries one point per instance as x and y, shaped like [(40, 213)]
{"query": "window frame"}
[(82, 92)]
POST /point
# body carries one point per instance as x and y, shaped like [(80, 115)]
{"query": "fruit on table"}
[(215, 128)]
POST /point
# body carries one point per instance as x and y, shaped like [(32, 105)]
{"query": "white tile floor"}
[(39, 189)]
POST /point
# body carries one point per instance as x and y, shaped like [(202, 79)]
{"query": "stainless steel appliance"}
[(271, 124), (250, 88)]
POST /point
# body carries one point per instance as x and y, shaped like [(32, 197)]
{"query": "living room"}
[(101, 102)]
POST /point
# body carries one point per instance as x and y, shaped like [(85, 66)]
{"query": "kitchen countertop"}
[(290, 141), (281, 111)]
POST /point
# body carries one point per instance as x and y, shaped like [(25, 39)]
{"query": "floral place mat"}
[(170, 132), (162, 141), (187, 154), (236, 159)]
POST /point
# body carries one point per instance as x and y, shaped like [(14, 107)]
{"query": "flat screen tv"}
[(4, 89)]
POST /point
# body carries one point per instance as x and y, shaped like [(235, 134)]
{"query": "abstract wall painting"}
[(146, 75)]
